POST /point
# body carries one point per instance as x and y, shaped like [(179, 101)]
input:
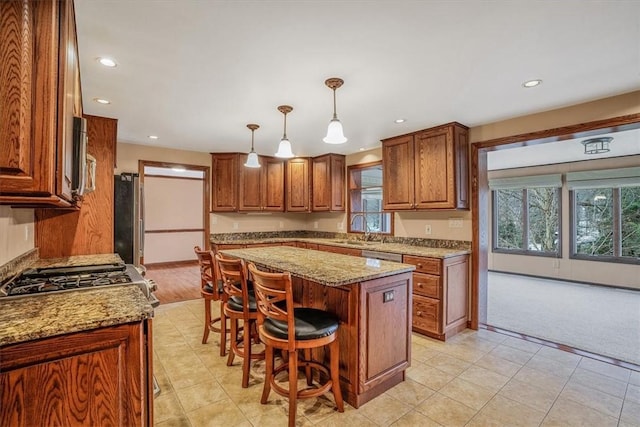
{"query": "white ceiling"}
[(196, 72)]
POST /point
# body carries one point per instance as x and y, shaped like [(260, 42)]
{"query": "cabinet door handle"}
[(419, 313), (419, 265)]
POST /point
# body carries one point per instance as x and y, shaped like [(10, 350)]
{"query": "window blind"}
[(605, 178), (552, 180)]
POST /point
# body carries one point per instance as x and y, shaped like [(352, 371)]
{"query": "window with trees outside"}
[(365, 200), (605, 220), (526, 215)]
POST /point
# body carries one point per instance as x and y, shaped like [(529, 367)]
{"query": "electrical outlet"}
[(340, 226), (235, 225), (214, 220), (427, 229), (556, 263), (281, 224), (26, 233), (455, 222), (315, 224)]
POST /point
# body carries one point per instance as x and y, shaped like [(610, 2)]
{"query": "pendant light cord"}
[(335, 115)]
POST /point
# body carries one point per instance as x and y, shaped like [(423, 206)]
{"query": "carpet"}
[(597, 319)]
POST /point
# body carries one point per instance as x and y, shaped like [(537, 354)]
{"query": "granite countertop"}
[(326, 268), (46, 315), (396, 248), (78, 260)]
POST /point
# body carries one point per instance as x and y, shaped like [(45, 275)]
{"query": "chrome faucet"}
[(367, 232)]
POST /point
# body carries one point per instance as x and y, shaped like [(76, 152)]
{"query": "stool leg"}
[(293, 387), (335, 374), (233, 341), (207, 320), (246, 362), (307, 368), (223, 332), (268, 368)]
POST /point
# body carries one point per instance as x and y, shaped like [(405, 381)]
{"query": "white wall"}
[(16, 232), (172, 204), (615, 274)]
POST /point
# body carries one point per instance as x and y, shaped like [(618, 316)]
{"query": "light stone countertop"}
[(396, 248), (78, 260), (46, 315), (326, 268)]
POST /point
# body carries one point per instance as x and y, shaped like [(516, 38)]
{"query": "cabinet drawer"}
[(426, 314), (424, 265), (426, 285)]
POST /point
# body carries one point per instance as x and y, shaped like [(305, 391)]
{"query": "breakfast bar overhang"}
[(372, 299)]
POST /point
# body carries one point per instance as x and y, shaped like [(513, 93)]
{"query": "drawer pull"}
[(420, 265), (419, 313)]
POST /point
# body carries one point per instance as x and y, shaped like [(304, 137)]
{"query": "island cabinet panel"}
[(328, 183), (298, 185), (261, 189), (385, 303), (440, 295), (87, 378), (39, 96), (427, 169), (374, 335), (224, 180)]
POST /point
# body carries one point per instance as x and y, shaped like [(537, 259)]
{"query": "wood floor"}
[(176, 281)]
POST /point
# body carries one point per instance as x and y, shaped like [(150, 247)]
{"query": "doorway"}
[(481, 215), (176, 211)]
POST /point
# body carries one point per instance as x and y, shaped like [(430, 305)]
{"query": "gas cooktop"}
[(57, 279)]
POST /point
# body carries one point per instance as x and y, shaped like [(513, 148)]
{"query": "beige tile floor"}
[(478, 378)]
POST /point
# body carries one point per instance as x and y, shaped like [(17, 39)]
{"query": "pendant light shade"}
[(335, 134), (284, 149), (252, 158)]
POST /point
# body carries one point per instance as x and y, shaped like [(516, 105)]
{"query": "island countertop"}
[(46, 315), (325, 268)]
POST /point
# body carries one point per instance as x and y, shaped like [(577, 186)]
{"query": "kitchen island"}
[(372, 299)]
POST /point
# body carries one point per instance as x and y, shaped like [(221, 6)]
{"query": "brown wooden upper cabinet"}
[(298, 185), (39, 96), (427, 169), (224, 182), (328, 182), (261, 189)]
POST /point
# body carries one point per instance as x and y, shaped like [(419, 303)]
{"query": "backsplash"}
[(414, 241), (18, 264)]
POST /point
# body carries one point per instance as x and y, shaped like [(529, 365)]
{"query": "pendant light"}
[(335, 135), (252, 158), (284, 149)]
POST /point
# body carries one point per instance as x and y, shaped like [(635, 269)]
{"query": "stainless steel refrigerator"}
[(128, 217)]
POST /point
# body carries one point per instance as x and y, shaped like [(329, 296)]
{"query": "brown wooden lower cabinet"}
[(374, 333), (440, 295), (338, 250), (94, 378)]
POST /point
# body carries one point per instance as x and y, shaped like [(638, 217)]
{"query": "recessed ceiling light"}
[(107, 62), (532, 83), (400, 120), (153, 136), (102, 101), (362, 148)]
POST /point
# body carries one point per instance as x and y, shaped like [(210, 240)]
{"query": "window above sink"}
[(365, 201)]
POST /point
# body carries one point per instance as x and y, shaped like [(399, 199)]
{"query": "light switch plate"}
[(235, 225), (427, 229), (315, 224)]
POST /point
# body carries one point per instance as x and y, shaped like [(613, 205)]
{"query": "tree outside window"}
[(606, 224), (527, 221)]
